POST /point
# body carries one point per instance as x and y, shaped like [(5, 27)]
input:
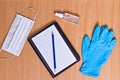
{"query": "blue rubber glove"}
[(96, 52)]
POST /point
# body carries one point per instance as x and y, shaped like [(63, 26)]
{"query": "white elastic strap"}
[(7, 58), (36, 13)]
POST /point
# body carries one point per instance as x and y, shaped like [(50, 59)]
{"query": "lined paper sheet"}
[(64, 56)]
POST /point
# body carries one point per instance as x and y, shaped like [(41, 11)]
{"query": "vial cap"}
[(60, 15)]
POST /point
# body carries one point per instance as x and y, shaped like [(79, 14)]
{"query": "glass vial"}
[(68, 17)]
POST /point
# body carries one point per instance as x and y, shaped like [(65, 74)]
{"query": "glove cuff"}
[(90, 70)]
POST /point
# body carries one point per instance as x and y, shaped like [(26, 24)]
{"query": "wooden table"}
[(29, 67)]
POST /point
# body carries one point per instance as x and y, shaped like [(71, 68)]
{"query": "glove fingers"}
[(110, 35), (113, 43), (96, 33), (107, 55), (104, 33), (85, 45), (101, 29)]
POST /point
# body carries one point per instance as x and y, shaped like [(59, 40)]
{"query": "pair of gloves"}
[(95, 52)]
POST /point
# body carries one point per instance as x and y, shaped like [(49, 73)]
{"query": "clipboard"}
[(66, 55)]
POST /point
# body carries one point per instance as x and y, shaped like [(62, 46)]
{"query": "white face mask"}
[(17, 35)]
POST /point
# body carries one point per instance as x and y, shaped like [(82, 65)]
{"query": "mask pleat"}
[(24, 35), (18, 33), (11, 32)]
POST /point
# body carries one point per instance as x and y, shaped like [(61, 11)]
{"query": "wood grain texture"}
[(28, 66)]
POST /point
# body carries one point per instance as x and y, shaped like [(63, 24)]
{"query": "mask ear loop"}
[(6, 58), (35, 11)]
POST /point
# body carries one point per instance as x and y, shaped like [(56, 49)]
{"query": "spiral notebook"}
[(64, 54)]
